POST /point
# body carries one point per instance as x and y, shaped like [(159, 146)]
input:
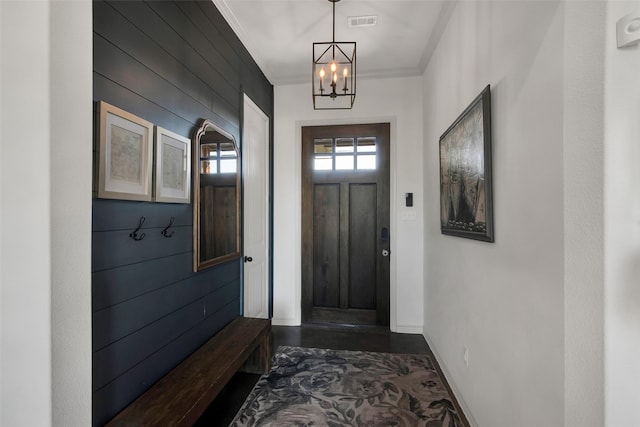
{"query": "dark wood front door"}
[(345, 224)]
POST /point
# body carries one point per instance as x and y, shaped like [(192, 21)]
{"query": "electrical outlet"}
[(466, 356)]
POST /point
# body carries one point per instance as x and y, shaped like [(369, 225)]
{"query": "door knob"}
[(386, 252), (248, 259)]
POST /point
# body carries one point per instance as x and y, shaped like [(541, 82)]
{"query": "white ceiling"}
[(279, 33)]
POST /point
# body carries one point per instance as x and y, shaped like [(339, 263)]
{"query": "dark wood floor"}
[(224, 408)]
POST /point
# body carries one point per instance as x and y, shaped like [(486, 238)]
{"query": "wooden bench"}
[(181, 396)]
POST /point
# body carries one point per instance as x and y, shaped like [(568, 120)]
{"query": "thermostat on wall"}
[(628, 30)]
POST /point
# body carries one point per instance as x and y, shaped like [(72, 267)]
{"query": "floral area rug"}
[(314, 387)]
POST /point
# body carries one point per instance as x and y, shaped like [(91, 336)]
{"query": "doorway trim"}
[(297, 256)]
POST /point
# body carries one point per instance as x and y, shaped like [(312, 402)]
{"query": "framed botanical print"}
[(125, 154), (172, 177), (466, 201)]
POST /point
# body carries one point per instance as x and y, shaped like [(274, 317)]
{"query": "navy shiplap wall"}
[(172, 63)]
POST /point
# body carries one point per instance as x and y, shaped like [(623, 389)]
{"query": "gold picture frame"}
[(172, 170), (125, 155)]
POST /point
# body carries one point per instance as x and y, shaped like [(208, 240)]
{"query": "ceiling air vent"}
[(363, 21)]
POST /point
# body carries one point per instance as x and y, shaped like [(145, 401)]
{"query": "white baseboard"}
[(408, 329), (401, 329), (285, 322), (452, 385)]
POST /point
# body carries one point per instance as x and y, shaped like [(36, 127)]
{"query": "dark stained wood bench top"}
[(181, 396)]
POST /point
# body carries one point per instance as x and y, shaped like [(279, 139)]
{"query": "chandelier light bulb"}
[(333, 67), (345, 72), (321, 73)]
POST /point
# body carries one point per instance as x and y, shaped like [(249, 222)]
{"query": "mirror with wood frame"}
[(216, 196)]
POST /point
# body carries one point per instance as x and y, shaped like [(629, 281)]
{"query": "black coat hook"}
[(134, 233), (165, 232)]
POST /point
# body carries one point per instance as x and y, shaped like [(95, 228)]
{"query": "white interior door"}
[(255, 158)]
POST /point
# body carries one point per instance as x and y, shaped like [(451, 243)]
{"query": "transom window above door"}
[(344, 154)]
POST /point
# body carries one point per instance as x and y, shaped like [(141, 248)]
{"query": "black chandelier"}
[(333, 75)]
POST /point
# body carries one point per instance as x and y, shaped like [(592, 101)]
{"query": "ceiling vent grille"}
[(363, 21)]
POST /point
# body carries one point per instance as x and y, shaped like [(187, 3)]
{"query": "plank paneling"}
[(130, 350), (248, 65), (111, 92), (255, 84), (172, 63), (114, 360), (126, 71), (115, 248), (113, 286), (198, 63), (206, 42), (116, 322), (109, 215), (117, 394), (147, 51), (222, 37)]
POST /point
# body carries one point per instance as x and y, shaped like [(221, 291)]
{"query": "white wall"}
[(25, 199), (504, 300), (584, 213), (396, 100), (71, 136), (45, 218), (622, 223)]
